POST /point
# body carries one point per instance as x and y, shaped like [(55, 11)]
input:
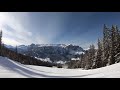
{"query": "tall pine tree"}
[(99, 58), (106, 45), (113, 45), (0, 42)]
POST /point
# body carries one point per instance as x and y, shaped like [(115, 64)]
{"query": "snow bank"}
[(45, 60), (75, 58), (61, 62)]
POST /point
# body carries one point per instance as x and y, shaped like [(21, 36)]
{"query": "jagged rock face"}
[(55, 52)]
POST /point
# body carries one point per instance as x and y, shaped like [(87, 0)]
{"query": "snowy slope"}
[(11, 69)]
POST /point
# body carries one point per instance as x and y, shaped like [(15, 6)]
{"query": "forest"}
[(107, 53)]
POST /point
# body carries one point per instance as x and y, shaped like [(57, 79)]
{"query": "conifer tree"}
[(89, 57), (113, 45), (16, 50), (118, 46), (0, 42), (92, 55), (106, 45), (98, 62)]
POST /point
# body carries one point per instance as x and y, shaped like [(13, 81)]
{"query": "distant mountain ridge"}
[(56, 52)]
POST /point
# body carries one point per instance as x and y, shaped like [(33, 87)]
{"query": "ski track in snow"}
[(12, 69)]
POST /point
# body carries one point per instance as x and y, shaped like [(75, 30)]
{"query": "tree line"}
[(107, 53)]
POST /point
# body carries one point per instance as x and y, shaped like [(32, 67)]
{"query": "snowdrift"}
[(12, 69)]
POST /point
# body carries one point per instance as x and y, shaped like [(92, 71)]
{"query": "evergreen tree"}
[(89, 57), (16, 50), (0, 42), (3, 50), (86, 62), (106, 45), (113, 45), (99, 58), (117, 40), (117, 56), (92, 55)]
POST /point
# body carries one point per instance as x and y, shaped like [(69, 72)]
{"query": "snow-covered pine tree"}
[(106, 45), (16, 50), (3, 49), (113, 45), (0, 42), (98, 62), (86, 62), (117, 56), (82, 64), (90, 56), (81, 61), (117, 40)]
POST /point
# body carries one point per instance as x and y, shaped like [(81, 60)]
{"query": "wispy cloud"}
[(20, 27), (17, 23), (10, 41)]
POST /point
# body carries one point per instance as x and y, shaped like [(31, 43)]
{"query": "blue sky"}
[(78, 28)]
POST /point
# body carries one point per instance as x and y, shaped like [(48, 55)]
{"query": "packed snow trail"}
[(12, 69)]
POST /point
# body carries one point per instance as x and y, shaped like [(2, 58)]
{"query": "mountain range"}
[(55, 52)]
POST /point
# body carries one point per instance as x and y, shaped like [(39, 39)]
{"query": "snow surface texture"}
[(12, 69)]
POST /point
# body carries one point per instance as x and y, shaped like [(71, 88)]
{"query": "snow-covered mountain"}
[(12, 69), (55, 52), (55, 45), (24, 47), (9, 46)]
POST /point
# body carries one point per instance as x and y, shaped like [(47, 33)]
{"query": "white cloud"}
[(50, 27), (17, 21), (10, 41)]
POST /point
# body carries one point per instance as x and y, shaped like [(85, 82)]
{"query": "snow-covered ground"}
[(44, 60), (11, 69)]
